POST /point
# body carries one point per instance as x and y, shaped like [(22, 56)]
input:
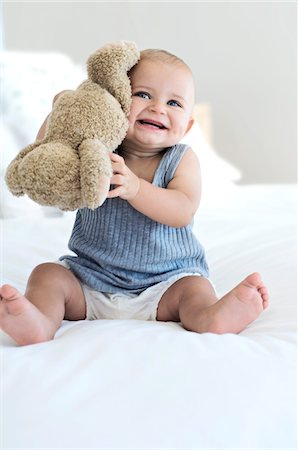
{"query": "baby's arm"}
[(42, 131), (174, 206)]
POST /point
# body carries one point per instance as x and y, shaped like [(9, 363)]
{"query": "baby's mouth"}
[(152, 123)]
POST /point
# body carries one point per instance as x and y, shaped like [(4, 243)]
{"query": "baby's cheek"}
[(134, 108)]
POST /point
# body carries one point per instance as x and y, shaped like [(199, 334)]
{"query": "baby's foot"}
[(241, 306), (20, 319)]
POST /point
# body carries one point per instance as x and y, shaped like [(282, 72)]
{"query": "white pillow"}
[(11, 206), (29, 82), (218, 175)]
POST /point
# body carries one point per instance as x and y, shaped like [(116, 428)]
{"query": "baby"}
[(136, 255)]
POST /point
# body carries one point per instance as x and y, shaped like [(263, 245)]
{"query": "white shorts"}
[(143, 306)]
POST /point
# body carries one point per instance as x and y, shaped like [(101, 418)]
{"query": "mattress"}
[(128, 384)]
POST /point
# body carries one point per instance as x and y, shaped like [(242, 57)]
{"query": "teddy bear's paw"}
[(50, 175), (96, 172), (93, 198)]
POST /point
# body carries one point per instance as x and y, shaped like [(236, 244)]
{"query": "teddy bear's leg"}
[(96, 172), (12, 177), (50, 175)]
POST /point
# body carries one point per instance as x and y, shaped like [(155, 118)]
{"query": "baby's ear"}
[(190, 124), (109, 66)]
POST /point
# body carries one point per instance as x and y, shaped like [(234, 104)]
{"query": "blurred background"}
[(243, 56)]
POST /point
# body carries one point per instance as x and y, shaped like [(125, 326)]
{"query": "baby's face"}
[(162, 102)]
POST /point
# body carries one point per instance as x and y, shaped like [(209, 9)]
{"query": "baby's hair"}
[(162, 55), (156, 54), (152, 54)]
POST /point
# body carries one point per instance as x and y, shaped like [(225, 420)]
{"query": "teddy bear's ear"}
[(109, 66)]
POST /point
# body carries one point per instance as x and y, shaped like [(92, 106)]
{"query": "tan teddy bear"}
[(70, 168)]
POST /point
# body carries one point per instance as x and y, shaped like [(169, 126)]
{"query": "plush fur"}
[(70, 168)]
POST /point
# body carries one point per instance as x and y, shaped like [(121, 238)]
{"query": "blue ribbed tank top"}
[(120, 249)]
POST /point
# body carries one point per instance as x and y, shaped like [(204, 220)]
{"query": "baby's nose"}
[(157, 106)]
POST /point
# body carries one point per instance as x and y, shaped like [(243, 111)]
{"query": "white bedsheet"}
[(149, 385)]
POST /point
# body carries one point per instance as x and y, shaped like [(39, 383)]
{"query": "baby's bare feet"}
[(20, 319), (241, 306)]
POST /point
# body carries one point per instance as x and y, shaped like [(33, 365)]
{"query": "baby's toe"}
[(265, 297)]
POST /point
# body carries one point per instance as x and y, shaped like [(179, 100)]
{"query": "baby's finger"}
[(116, 158), (117, 179), (115, 192), (118, 168), (118, 164)]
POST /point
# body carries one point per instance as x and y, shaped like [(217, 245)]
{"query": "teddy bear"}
[(70, 167)]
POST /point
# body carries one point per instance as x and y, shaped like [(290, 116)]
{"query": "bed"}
[(114, 384)]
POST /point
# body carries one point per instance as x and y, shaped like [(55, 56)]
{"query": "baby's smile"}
[(151, 124)]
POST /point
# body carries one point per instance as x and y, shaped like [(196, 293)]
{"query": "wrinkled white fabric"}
[(130, 384)]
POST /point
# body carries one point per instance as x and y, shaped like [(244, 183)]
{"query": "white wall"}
[(243, 56)]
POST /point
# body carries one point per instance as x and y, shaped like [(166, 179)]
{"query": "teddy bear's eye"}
[(142, 94)]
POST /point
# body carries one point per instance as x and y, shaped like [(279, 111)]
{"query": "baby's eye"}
[(142, 94), (174, 103)]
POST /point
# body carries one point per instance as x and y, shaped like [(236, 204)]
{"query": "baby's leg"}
[(52, 294), (192, 300)]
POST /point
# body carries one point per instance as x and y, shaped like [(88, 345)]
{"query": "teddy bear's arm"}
[(96, 172)]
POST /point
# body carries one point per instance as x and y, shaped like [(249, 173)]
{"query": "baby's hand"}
[(127, 182)]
